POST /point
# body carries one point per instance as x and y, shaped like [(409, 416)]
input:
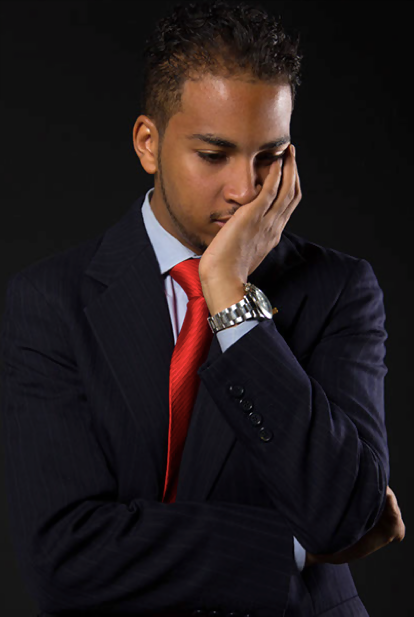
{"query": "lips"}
[(223, 220)]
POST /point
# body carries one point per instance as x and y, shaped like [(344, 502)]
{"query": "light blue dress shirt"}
[(169, 252)]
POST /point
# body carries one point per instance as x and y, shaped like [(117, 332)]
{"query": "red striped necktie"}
[(189, 353)]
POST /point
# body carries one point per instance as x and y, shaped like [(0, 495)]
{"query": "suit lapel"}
[(131, 322)]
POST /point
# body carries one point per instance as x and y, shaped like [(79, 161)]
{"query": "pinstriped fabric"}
[(86, 540), (87, 343), (189, 353)]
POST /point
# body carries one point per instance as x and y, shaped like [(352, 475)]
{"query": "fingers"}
[(287, 189), (271, 184), (285, 193), (281, 186), (399, 523), (400, 535), (297, 195), (392, 518)]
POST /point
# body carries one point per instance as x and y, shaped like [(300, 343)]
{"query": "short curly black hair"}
[(219, 38)]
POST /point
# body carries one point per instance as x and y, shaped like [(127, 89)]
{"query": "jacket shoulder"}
[(314, 252), (319, 259), (59, 275)]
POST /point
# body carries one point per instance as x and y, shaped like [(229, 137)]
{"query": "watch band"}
[(237, 313)]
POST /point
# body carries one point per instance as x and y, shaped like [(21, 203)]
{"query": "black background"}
[(70, 79)]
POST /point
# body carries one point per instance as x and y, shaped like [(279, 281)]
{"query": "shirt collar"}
[(168, 250)]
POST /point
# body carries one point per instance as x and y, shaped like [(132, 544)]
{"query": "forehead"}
[(233, 106)]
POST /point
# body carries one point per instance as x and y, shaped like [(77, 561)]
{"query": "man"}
[(271, 412)]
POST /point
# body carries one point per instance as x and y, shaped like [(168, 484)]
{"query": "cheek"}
[(204, 177), (197, 180)]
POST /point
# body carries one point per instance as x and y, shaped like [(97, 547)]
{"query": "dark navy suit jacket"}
[(86, 343)]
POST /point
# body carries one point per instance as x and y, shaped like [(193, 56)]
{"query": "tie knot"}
[(186, 274)]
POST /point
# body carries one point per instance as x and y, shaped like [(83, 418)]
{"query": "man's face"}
[(198, 182)]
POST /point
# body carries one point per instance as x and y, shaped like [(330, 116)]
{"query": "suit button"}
[(236, 391), (246, 405), (233, 615), (265, 435), (198, 613), (215, 614), (255, 418)]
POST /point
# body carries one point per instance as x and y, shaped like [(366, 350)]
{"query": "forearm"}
[(326, 463), (315, 458)]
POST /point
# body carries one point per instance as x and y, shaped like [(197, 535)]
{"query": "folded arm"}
[(78, 546), (326, 465)]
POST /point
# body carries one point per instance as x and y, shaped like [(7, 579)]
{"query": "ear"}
[(146, 139)]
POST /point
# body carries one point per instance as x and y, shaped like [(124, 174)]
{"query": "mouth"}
[(222, 222)]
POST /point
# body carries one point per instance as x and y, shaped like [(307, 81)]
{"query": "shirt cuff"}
[(227, 337), (300, 554)]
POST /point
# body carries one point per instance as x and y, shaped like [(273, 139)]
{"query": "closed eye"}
[(217, 157)]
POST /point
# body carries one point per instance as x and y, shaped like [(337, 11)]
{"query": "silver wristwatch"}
[(254, 305)]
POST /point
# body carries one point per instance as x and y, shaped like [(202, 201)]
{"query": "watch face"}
[(262, 303)]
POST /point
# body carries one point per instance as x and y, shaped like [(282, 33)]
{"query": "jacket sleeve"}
[(226, 338), (78, 547), (324, 457)]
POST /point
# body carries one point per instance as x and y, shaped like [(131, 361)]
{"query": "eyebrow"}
[(215, 140)]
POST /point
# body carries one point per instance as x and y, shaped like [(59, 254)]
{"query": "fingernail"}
[(294, 150)]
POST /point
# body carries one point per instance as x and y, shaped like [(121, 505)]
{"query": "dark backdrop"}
[(70, 76)]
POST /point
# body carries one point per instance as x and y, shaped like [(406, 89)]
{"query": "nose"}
[(243, 183)]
